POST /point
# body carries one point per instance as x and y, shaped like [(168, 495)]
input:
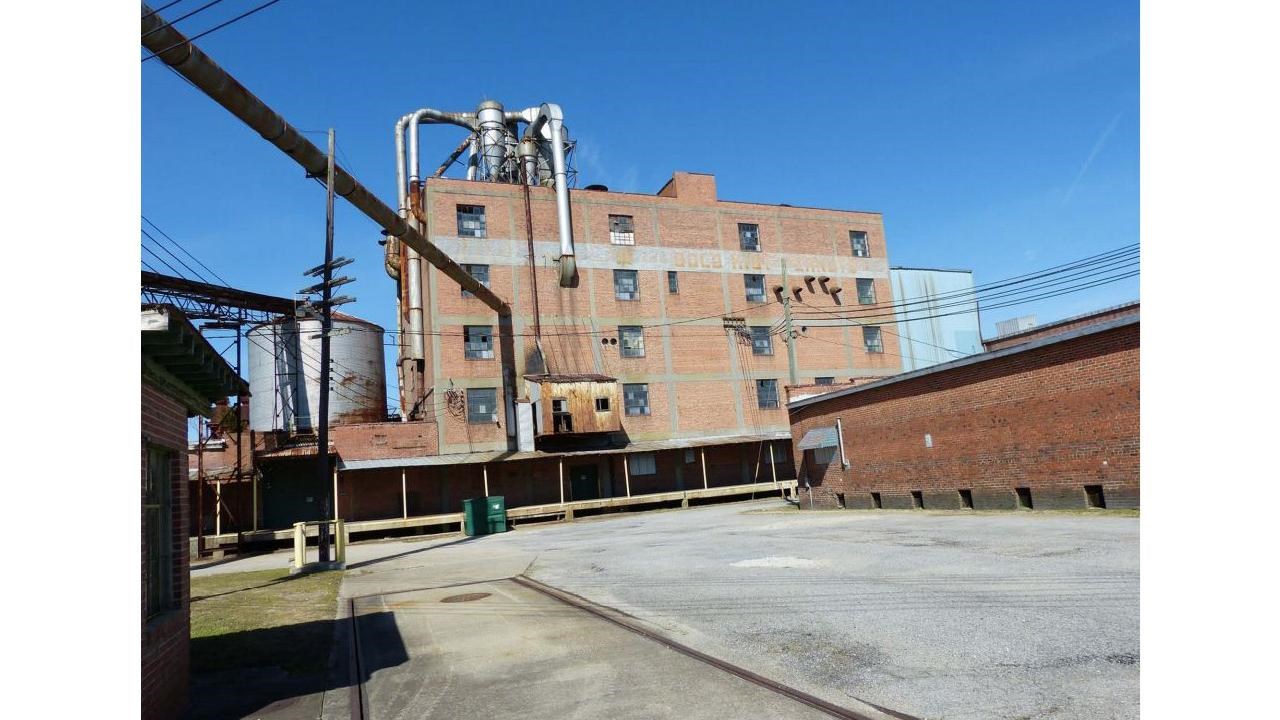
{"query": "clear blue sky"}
[(997, 137)]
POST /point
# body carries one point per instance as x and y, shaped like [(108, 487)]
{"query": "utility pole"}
[(326, 324), (790, 334), (326, 304)]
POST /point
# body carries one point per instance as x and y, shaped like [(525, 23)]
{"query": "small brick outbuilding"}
[(182, 376)]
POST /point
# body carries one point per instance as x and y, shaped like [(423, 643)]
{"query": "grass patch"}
[(263, 619)]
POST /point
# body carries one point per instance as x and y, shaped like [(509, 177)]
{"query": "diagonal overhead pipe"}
[(193, 64)]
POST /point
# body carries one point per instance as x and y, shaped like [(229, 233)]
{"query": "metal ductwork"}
[(497, 154)]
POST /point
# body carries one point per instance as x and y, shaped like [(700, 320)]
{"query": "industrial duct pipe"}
[(176, 51), (549, 114)]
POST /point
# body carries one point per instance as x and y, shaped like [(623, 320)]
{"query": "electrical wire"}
[(175, 21), (186, 251), (215, 28), (166, 6)]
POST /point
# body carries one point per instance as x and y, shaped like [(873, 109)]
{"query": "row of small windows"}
[(478, 341), (622, 231), (482, 403), (626, 284)]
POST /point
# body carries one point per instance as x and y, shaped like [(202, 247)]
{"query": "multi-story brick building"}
[(681, 400), (663, 371)]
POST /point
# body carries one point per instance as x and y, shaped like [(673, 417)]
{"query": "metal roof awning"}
[(506, 455), (817, 438)]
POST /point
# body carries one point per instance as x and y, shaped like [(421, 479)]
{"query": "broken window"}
[(824, 380), (602, 404), (626, 284), (858, 242), (767, 393), (635, 398), (871, 340), (622, 230), (749, 236), (761, 341), (866, 291), (673, 282), (755, 287), (631, 340), (471, 221), (479, 272), (478, 341)]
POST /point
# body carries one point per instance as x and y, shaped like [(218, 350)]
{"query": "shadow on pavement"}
[(459, 541), (288, 680)]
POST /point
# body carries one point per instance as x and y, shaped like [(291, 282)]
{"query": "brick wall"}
[(166, 638), (1052, 419), (687, 352)]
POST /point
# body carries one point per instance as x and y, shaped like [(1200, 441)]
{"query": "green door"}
[(584, 482)]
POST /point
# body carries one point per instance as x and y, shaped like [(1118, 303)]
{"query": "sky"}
[(998, 137)]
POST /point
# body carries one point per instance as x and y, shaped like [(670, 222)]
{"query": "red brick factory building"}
[(1050, 421)]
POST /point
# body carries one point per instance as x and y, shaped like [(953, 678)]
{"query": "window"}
[(626, 284), (622, 230), (479, 272), (825, 380), (673, 282), (871, 339), (635, 398), (631, 339), (471, 221), (561, 418), (767, 393), (761, 341), (749, 236), (866, 291), (755, 287), (482, 405), (602, 404), (478, 341), (689, 456), (642, 464), (157, 525), (858, 240), (823, 456)]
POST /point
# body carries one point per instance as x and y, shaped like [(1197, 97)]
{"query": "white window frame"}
[(858, 239), (865, 299), (622, 230), (875, 347)]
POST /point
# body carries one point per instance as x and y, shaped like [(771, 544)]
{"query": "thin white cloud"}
[(1097, 148)]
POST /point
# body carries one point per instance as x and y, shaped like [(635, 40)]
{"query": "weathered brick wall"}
[(166, 638), (1059, 328), (1053, 419), (688, 355)]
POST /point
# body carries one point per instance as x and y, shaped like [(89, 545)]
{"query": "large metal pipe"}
[(549, 114), (176, 51), (429, 115)]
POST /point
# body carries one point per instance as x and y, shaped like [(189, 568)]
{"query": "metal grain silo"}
[(284, 373)]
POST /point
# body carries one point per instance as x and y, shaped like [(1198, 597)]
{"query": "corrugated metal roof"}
[(823, 437), (506, 456)]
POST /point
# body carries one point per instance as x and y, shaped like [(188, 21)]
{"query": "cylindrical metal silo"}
[(284, 373)]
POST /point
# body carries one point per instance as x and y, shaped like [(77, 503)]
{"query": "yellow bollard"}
[(299, 545), (340, 539)]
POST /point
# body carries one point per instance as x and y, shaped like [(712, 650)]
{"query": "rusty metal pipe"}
[(173, 48)]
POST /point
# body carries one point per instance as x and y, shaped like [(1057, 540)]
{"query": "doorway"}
[(584, 482)]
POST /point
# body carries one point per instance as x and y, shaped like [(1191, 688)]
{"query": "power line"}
[(166, 6), (1017, 301), (177, 259), (873, 313), (188, 252), (215, 28), (175, 21)]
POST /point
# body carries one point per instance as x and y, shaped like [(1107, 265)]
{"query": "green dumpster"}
[(496, 513), (474, 520)]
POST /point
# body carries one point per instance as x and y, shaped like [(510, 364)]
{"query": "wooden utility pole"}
[(326, 325)]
